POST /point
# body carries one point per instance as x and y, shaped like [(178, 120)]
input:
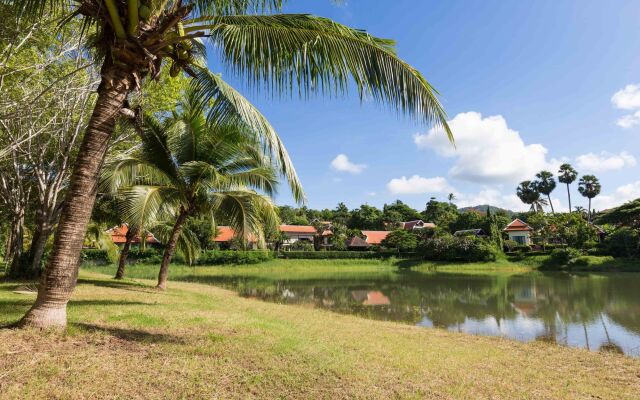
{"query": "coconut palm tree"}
[(546, 184), (188, 165), (589, 187), (567, 175), (528, 192), (451, 197), (288, 53)]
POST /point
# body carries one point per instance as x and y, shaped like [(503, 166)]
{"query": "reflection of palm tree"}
[(586, 335), (610, 346)]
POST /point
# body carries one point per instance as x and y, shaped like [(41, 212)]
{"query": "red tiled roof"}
[(225, 233), (376, 298), (375, 237), (298, 229), (119, 235), (356, 241), (517, 225)]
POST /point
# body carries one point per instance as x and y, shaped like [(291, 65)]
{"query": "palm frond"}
[(230, 7), (187, 245), (229, 107), (35, 9), (141, 205), (315, 54)]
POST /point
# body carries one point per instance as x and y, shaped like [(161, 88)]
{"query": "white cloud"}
[(487, 150), (629, 120), (627, 98), (621, 195), (419, 185), (605, 161), (341, 163)]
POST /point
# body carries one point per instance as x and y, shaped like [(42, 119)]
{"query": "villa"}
[(519, 232), (417, 224), (375, 238), (296, 233), (119, 236)]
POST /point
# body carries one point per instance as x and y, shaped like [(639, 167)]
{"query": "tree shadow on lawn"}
[(123, 285), (130, 335)]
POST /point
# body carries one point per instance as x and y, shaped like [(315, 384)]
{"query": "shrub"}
[(401, 240), (622, 243), (217, 257), (449, 248), (302, 245), (525, 248), (328, 255), (564, 256), (96, 256), (510, 245)]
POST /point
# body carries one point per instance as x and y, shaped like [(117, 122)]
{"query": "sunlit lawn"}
[(127, 340)]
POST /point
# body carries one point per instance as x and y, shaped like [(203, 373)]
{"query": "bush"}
[(302, 245), (95, 256), (622, 243), (401, 240), (449, 248), (525, 248), (510, 245), (328, 255), (217, 257), (564, 256)]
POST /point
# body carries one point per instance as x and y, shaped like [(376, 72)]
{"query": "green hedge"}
[(220, 257), (95, 255), (333, 255)]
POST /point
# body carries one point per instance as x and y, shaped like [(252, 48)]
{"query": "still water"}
[(597, 312)]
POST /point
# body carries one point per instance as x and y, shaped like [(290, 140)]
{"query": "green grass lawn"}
[(127, 340)]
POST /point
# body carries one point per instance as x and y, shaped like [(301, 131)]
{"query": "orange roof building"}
[(519, 231), (375, 237), (298, 229), (119, 235)]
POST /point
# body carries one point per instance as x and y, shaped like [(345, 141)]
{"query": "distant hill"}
[(483, 209)]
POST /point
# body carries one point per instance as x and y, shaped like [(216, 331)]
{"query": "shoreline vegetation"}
[(197, 340)]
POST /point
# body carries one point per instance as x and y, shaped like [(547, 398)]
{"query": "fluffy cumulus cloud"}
[(487, 150), (628, 98), (620, 196), (419, 185), (604, 161), (343, 164)]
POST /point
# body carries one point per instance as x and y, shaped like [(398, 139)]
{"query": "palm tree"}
[(528, 192), (546, 184), (188, 165), (589, 187), (451, 197), (289, 53), (567, 175)]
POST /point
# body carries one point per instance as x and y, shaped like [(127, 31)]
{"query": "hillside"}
[(483, 208)]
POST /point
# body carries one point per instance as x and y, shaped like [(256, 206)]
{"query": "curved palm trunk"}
[(122, 262), (569, 196), (60, 275), (551, 204), (170, 249)]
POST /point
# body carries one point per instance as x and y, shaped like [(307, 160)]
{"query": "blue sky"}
[(526, 85)]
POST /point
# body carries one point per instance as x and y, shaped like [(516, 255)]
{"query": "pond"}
[(597, 312)]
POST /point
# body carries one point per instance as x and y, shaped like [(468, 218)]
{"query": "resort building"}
[(519, 232), (374, 238), (417, 224), (295, 233), (357, 243), (119, 236)]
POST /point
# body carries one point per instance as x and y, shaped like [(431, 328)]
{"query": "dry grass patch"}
[(126, 340)]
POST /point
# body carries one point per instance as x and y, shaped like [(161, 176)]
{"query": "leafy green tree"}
[(545, 185), (440, 213), (188, 166), (468, 220), (528, 193), (589, 187), (366, 217), (290, 54), (400, 240), (398, 208), (627, 214), (567, 175), (341, 214)]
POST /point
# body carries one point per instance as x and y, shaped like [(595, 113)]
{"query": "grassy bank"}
[(127, 340)]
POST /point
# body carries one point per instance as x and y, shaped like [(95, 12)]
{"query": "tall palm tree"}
[(589, 187), (187, 166), (451, 197), (546, 184), (288, 53), (528, 192), (567, 175)]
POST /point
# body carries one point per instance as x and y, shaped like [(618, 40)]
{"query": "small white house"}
[(295, 233), (519, 232)]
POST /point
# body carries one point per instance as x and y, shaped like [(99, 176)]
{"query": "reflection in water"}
[(597, 312)]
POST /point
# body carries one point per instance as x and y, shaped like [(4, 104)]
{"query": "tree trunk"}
[(170, 249), (589, 214), (569, 196), (38, 243), (60, 275), (122, 263), (551, 204), (15, 246)]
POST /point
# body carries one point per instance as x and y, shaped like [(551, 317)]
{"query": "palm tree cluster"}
[(530, 192), (133, 40)]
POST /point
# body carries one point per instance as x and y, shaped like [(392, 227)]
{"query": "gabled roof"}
[(356, 241), (119, 235), (517, 225), (417, 224), (298, 229), (375, 237), (225, 233)]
